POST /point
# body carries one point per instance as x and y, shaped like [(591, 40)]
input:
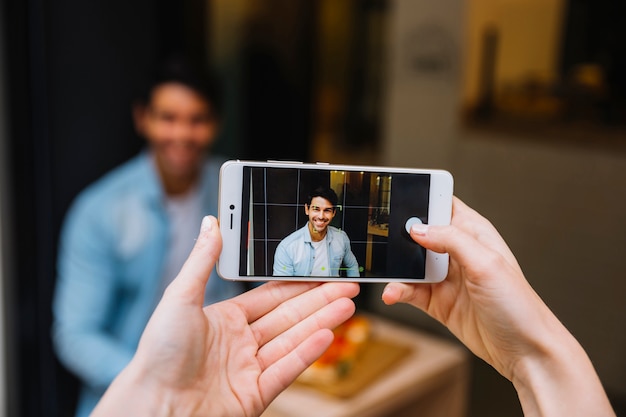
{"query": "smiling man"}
[(127, 235), (317, 249)]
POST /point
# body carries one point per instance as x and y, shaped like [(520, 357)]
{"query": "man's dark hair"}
[(326, 193), (185, 71)]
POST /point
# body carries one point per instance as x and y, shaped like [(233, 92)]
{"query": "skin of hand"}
[(231, 358), (489, 305)]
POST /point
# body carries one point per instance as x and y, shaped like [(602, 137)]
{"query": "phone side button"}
[(276, 161)]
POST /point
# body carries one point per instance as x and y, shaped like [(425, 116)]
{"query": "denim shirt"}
[(109, 271), (294, 254)]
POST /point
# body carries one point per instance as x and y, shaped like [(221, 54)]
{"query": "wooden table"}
[(431, 381)]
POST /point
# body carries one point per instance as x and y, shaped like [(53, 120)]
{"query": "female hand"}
[(231, 358), (489, 305)]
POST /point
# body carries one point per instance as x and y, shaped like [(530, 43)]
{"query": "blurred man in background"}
[(127, 235)]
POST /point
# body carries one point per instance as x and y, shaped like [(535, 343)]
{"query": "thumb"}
[(192, 279)]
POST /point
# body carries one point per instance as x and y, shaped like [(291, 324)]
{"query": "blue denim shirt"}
[(110, 265), (294, 254)]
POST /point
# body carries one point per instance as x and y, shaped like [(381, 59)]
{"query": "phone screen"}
[(366, 225)]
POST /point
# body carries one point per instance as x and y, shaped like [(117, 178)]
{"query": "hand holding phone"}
[(296, 221)]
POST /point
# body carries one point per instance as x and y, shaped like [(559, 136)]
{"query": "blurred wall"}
[(561, 206), (263, 54), (4, 267), (529, 33), (226, 22), (423, 83)]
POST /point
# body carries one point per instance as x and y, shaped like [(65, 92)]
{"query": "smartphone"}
[(303, 221)]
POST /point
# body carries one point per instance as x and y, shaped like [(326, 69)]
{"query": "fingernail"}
[(207, 224), (419, 229), (385, 291)]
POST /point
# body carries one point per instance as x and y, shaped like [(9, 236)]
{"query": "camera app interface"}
[(309, 222)]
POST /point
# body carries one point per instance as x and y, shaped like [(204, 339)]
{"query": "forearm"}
[(137, 391), (560, 381), (131, 393)]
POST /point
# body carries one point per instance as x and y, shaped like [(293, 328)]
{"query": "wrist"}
[(558, 378), (134, 392)]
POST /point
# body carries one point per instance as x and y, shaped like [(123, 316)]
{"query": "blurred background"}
[(524, 101)]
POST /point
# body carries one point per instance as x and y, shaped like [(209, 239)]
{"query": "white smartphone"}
[(302, 221)]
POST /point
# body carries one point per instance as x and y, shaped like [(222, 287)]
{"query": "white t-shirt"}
[(184, 213), (321, 266)]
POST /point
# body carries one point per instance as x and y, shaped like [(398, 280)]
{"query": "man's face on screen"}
[(320, 213)]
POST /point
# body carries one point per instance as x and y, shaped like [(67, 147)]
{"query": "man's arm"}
[(283, 264), (83, 298), (349, 260)]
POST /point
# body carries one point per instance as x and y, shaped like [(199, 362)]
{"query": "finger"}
[(415, 294), (260, 300), (469, 220), (291, 311), (327, 317), (463, 248), (194, 275), (284, 371)]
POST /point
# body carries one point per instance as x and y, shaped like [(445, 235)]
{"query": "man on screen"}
[(317, 249)]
